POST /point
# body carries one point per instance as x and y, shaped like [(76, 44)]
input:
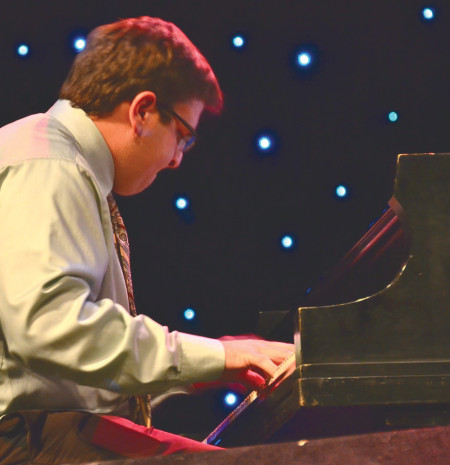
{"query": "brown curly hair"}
[(137, 54)]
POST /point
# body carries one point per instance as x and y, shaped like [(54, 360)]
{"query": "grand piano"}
[(372, 338)]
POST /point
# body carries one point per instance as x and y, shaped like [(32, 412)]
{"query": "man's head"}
[(145, 85), (135, 55)]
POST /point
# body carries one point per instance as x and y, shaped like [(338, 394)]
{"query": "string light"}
[(79, 43), (23, 50), (393, 116), (183, 206), (341, 191), (264, 143), (304, 59), (238, 41), (428, 14), (189, 314), (230, 399), (287, 241), (181, 203)]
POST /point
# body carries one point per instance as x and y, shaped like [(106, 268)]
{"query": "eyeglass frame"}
[(186, 142)]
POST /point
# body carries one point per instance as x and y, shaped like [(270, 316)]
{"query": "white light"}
[(393, 116), (304, 59), (264, 143), (230, 399), (189, 314), (22, 50), (238, 41), (287, 242), (181, 203), (428, 13), (79, 43), (341, 191)]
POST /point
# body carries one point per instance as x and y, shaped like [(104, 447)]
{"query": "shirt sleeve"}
[(53, 260)]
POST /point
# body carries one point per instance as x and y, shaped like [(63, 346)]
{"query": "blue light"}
[(238, 41), (230, 399), (189, 314), (428, 13), (23, 50), (287, 242), (304, 59), (181, 203), (264, 143), (79, 43), (393, 116), (341, 191)]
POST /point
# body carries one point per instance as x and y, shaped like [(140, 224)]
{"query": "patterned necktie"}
[(139, 405)]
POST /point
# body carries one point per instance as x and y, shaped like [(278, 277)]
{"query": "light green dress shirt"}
[(67, 340)]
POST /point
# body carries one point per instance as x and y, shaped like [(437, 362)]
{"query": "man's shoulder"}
[(36, 136)]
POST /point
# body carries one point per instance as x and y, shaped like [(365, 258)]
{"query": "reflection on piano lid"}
[(370, 265), (387, 349)]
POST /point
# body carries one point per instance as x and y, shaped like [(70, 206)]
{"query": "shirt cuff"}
[(203, 359)]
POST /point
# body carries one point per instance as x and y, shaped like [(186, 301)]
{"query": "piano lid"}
[(388, 353), (409, 318), (378, 258)]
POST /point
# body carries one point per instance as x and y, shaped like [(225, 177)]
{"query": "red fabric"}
[(131, 440)]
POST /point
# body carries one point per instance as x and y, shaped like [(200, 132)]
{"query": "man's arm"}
[(55, 316)]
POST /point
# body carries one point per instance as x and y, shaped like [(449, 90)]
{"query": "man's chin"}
[(142, 188), (135, 189)]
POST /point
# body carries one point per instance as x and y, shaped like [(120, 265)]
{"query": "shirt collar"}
[(90, 140)]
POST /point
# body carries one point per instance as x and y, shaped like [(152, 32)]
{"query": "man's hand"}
[(252, 361)]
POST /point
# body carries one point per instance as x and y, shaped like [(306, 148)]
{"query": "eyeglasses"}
[(185, 141)]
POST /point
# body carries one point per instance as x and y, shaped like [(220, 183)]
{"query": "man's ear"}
[(141, 108)]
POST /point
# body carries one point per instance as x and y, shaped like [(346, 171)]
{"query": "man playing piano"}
[(77, 363)]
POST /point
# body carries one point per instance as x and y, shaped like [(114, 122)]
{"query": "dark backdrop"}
[(371, 57)]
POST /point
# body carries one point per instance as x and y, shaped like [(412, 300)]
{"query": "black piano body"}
[(378, 362)]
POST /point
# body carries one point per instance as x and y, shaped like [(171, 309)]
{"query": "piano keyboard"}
[(282, 368)]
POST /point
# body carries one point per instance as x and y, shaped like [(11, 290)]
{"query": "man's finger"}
[(264, 366), (252, 380)]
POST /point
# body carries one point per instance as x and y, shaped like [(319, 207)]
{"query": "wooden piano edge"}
[(299, 405)]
